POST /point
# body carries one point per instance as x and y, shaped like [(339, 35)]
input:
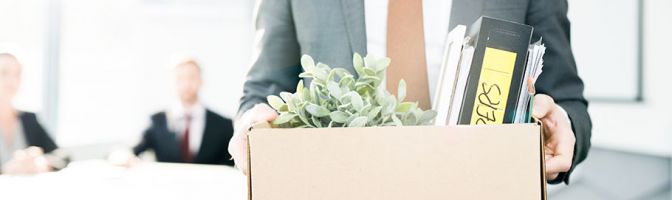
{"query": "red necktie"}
[(184, 144)]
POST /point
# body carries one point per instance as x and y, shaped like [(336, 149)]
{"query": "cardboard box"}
[(414, 162)]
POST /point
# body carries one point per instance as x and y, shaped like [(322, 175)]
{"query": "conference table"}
[(96, 179)]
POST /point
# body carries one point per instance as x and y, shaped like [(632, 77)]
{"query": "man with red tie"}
[(412, 33), (188, 132)]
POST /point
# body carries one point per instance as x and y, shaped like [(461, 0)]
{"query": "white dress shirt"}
[(7, 148), (177, 123), (436, 14)]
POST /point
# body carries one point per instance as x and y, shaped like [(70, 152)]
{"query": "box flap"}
[(542, 159), (260, 125), (461, 162)]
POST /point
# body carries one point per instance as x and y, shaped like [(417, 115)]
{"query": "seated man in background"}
[(188, 132), (25, 147)]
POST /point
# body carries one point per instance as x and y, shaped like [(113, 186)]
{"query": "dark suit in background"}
[(166, 145), (36, 135)]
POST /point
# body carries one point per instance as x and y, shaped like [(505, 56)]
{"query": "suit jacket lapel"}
[(465, 12), (353, 14), (168, 140)]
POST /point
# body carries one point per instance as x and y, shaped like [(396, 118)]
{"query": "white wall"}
[(641, 127), (605, 39), (646, 127), (23, 26), (116, 57)]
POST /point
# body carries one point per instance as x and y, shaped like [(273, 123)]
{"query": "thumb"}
[(34, 151), (543, 105), (259, 113), (263, 112)]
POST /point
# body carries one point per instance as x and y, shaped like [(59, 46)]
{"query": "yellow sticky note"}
[(493, 86)]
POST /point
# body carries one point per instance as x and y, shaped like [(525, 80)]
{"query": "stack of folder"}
[(488, 75)]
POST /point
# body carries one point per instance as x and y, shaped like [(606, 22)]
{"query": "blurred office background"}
[(95, 70)]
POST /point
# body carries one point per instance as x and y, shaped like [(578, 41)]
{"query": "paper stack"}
[(488, 75)]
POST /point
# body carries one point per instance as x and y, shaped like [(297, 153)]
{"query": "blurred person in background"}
[(25, 146), (187, 132)]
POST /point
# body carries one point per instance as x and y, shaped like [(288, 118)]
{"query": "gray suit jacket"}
[(332, 30)]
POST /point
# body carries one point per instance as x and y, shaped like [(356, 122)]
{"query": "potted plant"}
[(336, 98)]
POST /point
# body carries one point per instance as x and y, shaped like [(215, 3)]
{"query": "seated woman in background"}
[(25, 147)]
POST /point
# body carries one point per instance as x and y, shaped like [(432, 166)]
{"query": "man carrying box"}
[(412, 33)]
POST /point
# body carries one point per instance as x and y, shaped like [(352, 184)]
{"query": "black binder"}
[(500, 55)]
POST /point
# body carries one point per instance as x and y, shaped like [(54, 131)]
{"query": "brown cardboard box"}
[(414, 162)]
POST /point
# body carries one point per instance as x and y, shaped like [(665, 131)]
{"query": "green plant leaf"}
[(340, 72), (382, 64), (275, 102), (313, 93), (303, 118), (307, 63), (375, 64), (284, 118), (300, 88), (369, 72), (306, 75), (356, 101), (358, 63), (374, 112), (358, 122), (286, 96), (372, 79), (396, 121), (339, 116), (321, 72), (316, 110), (401, 90), (365, 110), (388, 108), (316, 122), (334, 89), (380, 96), (405, 107), (346, 106), (410, 120), (283, 108), (370, 61), (427, 117)]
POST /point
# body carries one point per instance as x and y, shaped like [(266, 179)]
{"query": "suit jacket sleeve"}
[(37, 136), (275, 65), (227, 130), (145, 142), (560, 79)]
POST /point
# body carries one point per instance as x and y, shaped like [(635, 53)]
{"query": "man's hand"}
[(238, 143), (28, 161), (123, 158), (559, 137)]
